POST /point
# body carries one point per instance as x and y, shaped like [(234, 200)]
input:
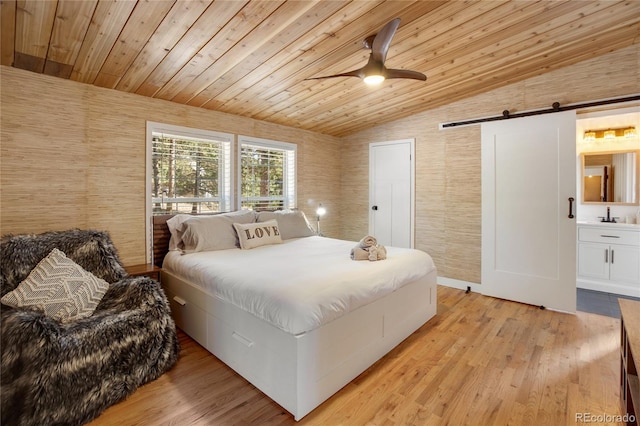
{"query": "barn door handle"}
[(571, 200), (374, 208)]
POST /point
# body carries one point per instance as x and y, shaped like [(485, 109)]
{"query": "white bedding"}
[(300, 284)]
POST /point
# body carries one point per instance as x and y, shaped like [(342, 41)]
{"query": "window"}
[(190, 170), (267, 174)]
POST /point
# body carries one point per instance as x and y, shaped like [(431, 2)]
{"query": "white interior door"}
[(391, 189), (528, 238)]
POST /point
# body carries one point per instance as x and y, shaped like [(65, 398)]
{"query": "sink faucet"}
[(608, 218)]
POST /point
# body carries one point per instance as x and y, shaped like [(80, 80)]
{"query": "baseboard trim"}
[(459, 284)]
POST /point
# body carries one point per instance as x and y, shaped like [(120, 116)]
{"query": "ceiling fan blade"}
[(415, 75), (375, 69), (382, 40), (355, 73)]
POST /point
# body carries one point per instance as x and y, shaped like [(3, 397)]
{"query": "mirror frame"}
[(583, 154)]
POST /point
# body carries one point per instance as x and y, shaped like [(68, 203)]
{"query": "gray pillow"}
[(291, 223), (216, 232)]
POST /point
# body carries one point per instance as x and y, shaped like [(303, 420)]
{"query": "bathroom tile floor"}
[(597, 302)]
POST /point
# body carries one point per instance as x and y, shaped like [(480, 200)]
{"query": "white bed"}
[(299, 320)]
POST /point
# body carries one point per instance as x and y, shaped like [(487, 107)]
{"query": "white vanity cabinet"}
[(609, 258)]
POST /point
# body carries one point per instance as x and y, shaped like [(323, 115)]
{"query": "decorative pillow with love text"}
[(254, 235)]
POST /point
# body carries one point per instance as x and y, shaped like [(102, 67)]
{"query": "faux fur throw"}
[(68, 373), (93, 250)]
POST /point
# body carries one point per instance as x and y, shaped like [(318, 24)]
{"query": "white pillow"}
[(60, 288), (208, 233), (254, 235), (292, 223)]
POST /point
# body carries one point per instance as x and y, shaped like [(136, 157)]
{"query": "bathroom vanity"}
[(609, 257)]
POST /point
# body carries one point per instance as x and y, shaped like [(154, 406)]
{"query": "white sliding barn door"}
[(528, 238), (391, 189)]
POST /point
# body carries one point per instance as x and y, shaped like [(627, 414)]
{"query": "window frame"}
[(228, 197), (291, 179)]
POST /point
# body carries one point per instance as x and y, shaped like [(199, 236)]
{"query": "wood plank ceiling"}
[(251, 58)]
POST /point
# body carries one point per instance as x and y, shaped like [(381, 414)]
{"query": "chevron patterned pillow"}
[(60, 288)]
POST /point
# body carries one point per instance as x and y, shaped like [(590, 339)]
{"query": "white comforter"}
[(302, 283)]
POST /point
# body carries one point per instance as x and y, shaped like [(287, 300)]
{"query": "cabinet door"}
[(625, 264), (593, 260)]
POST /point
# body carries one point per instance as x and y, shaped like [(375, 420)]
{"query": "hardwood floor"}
[(480, 361)]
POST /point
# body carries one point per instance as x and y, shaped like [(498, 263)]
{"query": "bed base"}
[(299, 372)]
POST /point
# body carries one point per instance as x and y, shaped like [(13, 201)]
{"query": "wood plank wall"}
[(448, 187), (73, 155)]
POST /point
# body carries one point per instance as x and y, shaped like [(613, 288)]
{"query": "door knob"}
[(374, 208)]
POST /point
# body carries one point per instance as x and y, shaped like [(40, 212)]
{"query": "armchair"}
[(69, 372)]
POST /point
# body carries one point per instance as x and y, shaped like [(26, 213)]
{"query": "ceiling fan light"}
[(374, 79)]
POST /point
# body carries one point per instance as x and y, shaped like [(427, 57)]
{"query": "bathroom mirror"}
[(610, 177)]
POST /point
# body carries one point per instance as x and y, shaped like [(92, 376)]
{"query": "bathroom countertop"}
[(633, 226)]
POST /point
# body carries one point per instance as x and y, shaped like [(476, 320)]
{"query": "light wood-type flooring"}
[(480, 361)]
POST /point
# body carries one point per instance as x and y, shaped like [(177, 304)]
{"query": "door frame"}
[(412, 189)]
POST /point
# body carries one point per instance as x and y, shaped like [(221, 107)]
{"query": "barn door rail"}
[(555, 107)]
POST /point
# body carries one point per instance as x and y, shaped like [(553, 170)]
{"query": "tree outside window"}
[(189, 175), (267, 174)]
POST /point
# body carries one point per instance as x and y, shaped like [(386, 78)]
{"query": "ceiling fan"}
[(374, 72)]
